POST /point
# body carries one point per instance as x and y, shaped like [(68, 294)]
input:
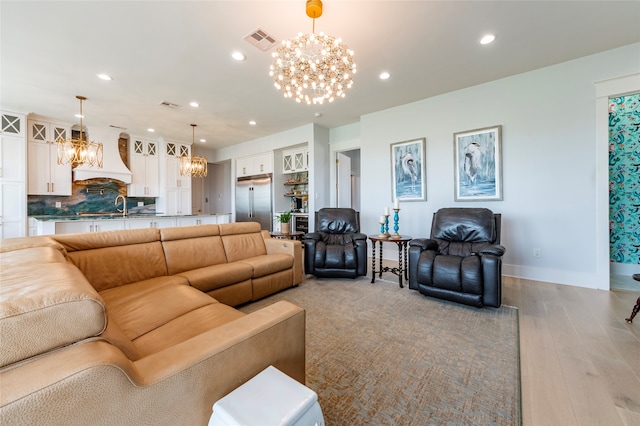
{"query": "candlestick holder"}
[(396, 220), (382, 234), (386, 225)]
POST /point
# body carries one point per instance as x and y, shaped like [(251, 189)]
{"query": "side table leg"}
[(634, 312), (400, 264), (381, 268), (373, 261), (406, 263)]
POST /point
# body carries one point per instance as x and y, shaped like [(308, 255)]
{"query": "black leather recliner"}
[(462, 261), (336, 249)]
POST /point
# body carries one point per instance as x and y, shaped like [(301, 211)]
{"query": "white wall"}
[(549, 162)]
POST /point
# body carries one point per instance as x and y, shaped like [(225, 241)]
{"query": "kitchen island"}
[(88, 222)]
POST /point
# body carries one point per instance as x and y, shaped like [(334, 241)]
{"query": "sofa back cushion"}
[(242, 240), (114, 258), (44, 306), (192, 247)]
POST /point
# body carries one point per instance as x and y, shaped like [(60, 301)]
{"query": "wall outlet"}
[(140, 203), (58, 205), (536, 252)]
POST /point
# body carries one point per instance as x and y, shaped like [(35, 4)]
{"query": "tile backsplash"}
[(88, 196)]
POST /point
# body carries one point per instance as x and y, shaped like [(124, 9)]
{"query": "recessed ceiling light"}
[(238, 56), (487, 39), (203, 140), (318, 114), (105, 77), (384, 75), (194, 104), (252, 123), (150, 130), (79, 116)]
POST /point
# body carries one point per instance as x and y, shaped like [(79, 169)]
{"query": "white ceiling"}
[(179, 51)]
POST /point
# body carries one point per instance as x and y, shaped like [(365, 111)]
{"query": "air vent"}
[(261, 39), (117, 127), (169, 105)]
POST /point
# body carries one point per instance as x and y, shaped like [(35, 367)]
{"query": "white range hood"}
[(112, 165)]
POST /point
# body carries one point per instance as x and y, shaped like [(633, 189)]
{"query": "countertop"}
[(107, 216)]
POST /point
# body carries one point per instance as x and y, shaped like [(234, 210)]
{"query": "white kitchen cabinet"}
[(150, 222), (196, 220), (254, 165), (74, 226), (13, 176), (295, 160), (176, 198), (46, 176), (145, 168)]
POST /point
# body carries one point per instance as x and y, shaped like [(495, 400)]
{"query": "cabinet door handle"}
[(52, 190), (48, 186)]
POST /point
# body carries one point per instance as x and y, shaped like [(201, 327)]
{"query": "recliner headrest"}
[(464, 224), (337, 221)]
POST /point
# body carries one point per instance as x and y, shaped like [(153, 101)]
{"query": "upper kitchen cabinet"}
[(13, 199), (145, 168), (46, 176), (176, 195), (295, 160), (254, 165)]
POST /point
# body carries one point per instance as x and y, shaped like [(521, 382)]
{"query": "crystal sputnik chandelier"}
[(193, 165), (79, 151), (313, 68)]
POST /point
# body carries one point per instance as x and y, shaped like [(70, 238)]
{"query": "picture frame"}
[(408, 170), (478, 164)]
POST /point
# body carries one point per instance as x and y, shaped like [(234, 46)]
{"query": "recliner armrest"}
[(494, 249), (359, 236), (314, 236), (424, 244)]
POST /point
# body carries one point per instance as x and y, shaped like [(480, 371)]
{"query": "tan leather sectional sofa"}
[(137, 326)]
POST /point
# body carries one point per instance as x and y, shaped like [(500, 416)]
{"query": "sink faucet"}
[(124, 204)]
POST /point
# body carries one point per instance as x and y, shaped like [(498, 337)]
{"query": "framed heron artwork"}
[(478, 164), (408, 176)]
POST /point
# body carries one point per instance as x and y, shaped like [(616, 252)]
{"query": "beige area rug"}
[(377, 354)]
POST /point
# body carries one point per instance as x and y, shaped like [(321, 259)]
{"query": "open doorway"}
[(348, 179)]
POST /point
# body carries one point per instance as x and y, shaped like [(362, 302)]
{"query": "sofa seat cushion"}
[(217, 276), (185, 327), (141, 307), (45, 306), (268, 264)]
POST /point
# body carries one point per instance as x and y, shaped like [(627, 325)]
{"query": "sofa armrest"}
[(175, 386), (292, 247)]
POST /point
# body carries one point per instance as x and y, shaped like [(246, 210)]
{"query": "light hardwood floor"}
[(579, 359)]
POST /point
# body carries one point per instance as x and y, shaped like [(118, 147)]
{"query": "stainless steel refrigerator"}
[(254, 200)]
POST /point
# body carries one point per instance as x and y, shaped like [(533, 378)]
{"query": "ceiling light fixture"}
[(313, 68), (194, 104), (79, 151), (238, 56), (105, 77), (193, 165), (384, 75), (487, 39)]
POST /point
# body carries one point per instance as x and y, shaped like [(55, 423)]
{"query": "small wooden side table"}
[(402, 269), (636, 308), (293, 235)]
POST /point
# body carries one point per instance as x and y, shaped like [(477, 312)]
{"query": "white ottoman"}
[(269, 399)]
